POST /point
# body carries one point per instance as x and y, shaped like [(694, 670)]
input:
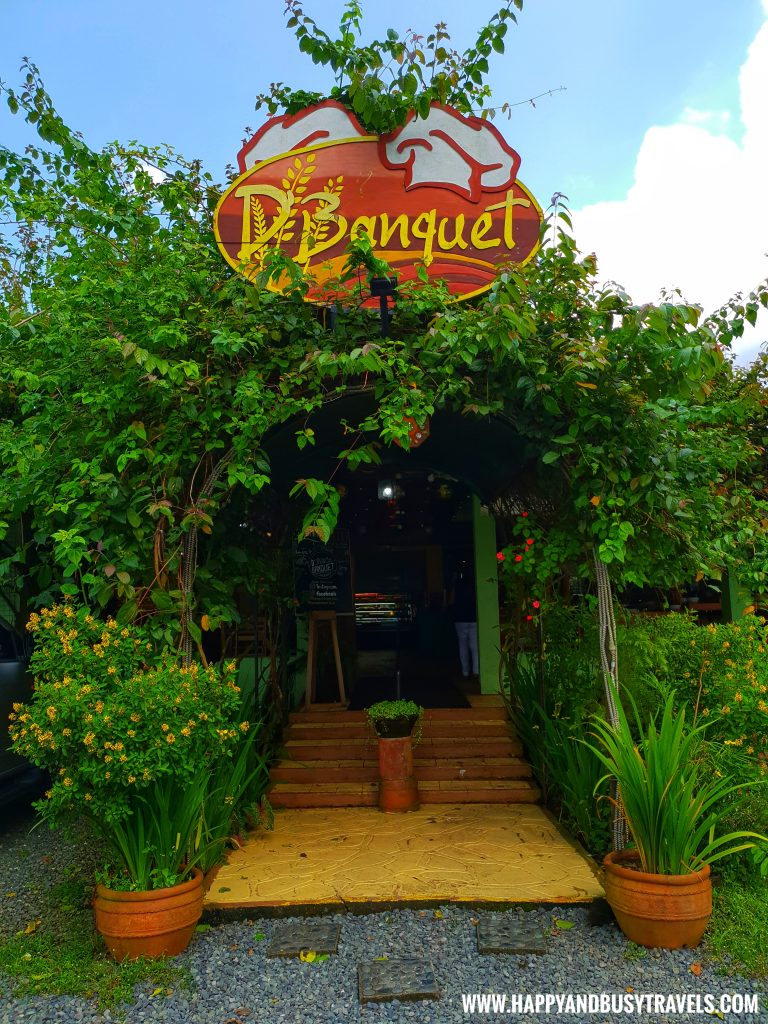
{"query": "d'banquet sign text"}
[(441, 193)]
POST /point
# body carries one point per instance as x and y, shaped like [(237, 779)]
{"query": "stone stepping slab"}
[(294, 939), (498, 934), (405, 978)]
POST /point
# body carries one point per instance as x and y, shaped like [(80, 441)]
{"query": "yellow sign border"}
[(342, 142)]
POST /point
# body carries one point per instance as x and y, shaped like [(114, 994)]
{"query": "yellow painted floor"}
[(443, 853)]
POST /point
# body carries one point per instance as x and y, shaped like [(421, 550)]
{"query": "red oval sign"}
[(440, 193)]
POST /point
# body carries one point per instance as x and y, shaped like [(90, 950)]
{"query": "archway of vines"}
[(141, 380)]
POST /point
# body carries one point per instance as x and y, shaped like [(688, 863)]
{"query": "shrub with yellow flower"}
[(141, 794)]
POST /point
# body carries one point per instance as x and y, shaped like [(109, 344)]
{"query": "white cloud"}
[(696, 217), (713, 119)]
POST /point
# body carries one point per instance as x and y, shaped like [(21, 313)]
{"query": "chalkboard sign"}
[(322, 577)]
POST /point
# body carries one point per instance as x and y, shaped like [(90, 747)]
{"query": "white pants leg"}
[(467, 636)]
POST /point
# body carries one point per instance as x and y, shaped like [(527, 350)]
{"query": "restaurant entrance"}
[(410, 540)]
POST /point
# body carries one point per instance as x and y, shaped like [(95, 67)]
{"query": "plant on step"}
[(133, 741), (396, 718), (672, 803)]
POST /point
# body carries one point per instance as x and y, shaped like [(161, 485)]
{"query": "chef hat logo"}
[(444, 150), (326, 122), (448, 150)]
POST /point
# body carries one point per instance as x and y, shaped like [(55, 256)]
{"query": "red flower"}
[(529, 618), (518, 558), (524, 515), (529, 541), (537, 604), (499, 556)]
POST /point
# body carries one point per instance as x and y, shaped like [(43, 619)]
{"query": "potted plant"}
[(660, 889), (132, 741), (394, 722)]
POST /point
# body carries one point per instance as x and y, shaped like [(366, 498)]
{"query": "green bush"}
[(567, 771), (137, 743), (719, 670), (674, 807)]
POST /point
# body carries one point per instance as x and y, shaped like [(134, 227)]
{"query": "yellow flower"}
[(131, 778), (125, 632), (705, 712), (132, 733), (165, 727), (123, 758), (230, 666), (67, 781), (725, 709), (66, 732), (98, 706), (51, 712), (111, 624), (107, 775), (186, 731), (111, 670), (107, 758), (170, 738), (244, 726), (88, 797), (737, 696), (726, 645), (135, 717)]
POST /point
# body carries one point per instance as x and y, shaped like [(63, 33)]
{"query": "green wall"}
[(487, 586)]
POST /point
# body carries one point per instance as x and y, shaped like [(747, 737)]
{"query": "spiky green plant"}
[(671, 805)]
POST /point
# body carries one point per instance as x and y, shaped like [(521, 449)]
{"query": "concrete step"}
[(431, 727), (355, 794), (427, 770), (430, 747), (520, 793), (337, 714), (324, 794), (465, 755)]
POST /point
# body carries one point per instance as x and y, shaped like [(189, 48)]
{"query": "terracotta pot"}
[(397, 788), (395, 728), (159, 922), (667, 911)]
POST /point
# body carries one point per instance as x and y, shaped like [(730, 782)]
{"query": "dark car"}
[(19, 780)]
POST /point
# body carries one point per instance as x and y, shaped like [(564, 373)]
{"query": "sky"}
[(656, 128)]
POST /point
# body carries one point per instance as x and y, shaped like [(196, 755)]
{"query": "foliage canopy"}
[(141, 378)]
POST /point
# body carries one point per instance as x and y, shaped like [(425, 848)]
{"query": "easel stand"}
[(315, 618)]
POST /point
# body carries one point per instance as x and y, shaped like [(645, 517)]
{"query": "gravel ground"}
[(235, 983)]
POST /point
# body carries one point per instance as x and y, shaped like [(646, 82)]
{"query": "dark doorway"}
[(409, 532)]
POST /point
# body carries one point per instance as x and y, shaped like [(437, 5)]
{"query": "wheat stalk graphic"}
[(295, 183), (318, 230)]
